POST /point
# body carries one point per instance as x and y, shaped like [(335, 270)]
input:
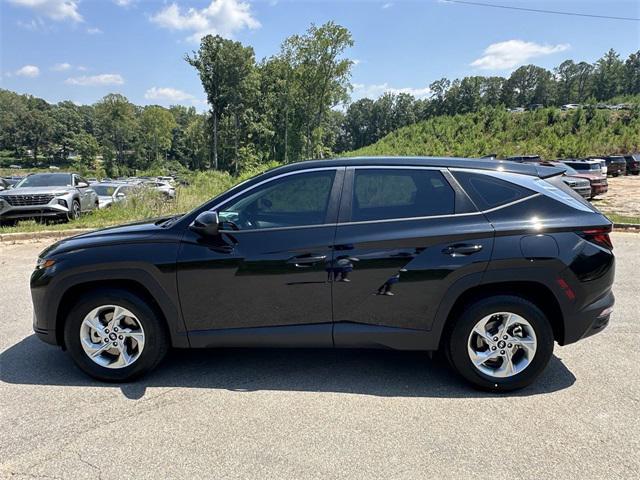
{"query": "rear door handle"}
[(304, 261), (461, 249)]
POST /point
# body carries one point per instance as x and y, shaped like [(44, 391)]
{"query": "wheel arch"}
[(535, 291), (169, 315)]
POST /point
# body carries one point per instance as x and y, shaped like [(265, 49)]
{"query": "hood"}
[(36, 190), (130, 233)]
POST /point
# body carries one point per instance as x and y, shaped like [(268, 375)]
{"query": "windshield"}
[(45, 180), (586, 166), (104, 190), (568, 170)]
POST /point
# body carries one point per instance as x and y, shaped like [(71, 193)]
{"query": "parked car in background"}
[(12, 180), (166, 189), (579, 183), (603, 163), (616, 165), (525, 158), (489, 262), (165, 179), (570, 106), (633, 164), (110, 193), (48, 195), (592, 170)]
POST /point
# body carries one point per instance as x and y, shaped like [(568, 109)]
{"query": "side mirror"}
[(120, 195), (82, 185), (206, 224)]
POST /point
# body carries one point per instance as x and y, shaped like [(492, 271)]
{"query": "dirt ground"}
[(623, 197)]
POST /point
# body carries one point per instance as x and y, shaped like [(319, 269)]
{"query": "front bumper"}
[(51, 209)]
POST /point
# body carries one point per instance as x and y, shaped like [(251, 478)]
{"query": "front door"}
[(399, 246), (265, 277)]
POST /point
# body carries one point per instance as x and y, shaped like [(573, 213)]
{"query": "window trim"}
[(342, 204), (332, 205), (346, 207)]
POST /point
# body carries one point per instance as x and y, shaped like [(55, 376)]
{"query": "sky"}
[(81, 50)]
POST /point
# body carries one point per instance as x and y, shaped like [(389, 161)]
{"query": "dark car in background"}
[(592, 170), (633, 164), (490, 262), (48, 195), (616, 165)]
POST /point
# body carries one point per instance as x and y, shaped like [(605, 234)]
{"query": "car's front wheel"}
[(500, 343), (114, 335), (74, 211)]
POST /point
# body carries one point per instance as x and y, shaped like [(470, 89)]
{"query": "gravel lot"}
[(317, 414), (622, 198)]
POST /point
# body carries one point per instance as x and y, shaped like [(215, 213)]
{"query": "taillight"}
[(599, 236)]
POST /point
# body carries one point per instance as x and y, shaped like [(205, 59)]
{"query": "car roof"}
[(442, 162)]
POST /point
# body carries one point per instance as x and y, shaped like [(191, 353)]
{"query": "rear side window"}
[(489, 192), (382, 194)]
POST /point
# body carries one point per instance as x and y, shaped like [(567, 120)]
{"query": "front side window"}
[(292, 201), (382, 194)]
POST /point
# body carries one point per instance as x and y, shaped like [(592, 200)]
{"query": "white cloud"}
[(387, 5), (102, 80), (61, 67), (509, 54), (123, 3), (94, 31), (221, 17), (167, 94), (54, 9), (30, 71), (361, 90)]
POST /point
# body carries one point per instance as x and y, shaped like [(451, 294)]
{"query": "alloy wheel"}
[(112, 336), (502, 344)]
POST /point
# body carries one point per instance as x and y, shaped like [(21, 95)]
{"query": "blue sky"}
[(80, 50)]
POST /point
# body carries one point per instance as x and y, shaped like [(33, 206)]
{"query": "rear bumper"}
[(590, 320)]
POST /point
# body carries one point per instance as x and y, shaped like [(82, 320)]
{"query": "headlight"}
[(60, 194), (44, 263)]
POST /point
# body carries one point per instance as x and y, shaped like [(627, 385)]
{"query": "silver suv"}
[(61, 195)]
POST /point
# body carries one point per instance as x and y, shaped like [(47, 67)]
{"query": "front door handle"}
[(461, 249), (306, 261)]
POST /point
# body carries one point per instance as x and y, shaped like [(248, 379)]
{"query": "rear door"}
[(405, 235)]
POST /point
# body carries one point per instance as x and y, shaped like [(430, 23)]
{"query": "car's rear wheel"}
[(500, 343), (114, 335)]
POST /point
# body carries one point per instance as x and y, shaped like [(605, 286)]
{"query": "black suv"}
[(633, 164), (616, 165), (489, 262)]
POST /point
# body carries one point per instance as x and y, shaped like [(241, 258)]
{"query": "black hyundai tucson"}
[(489, 262)]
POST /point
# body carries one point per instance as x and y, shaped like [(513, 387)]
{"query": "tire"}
[(74, 213), (155, 336), (458, 341)]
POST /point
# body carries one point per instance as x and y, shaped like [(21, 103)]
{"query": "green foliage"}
[(547, 132)]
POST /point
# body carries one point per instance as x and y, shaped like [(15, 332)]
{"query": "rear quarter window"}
[(488, 192)]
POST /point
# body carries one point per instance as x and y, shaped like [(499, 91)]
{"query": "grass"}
[(202, 187), (615, 218)]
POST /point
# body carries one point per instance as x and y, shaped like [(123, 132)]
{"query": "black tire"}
[(156, 337), (74, 212), (456, 342)]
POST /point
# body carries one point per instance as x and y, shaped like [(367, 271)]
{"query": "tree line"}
[(291, 106)]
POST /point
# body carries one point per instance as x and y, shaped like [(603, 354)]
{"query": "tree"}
[(608, 76), (323, 76), (156, 131), (223, 66), (632, 74), (87, 148), (116, 126)]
